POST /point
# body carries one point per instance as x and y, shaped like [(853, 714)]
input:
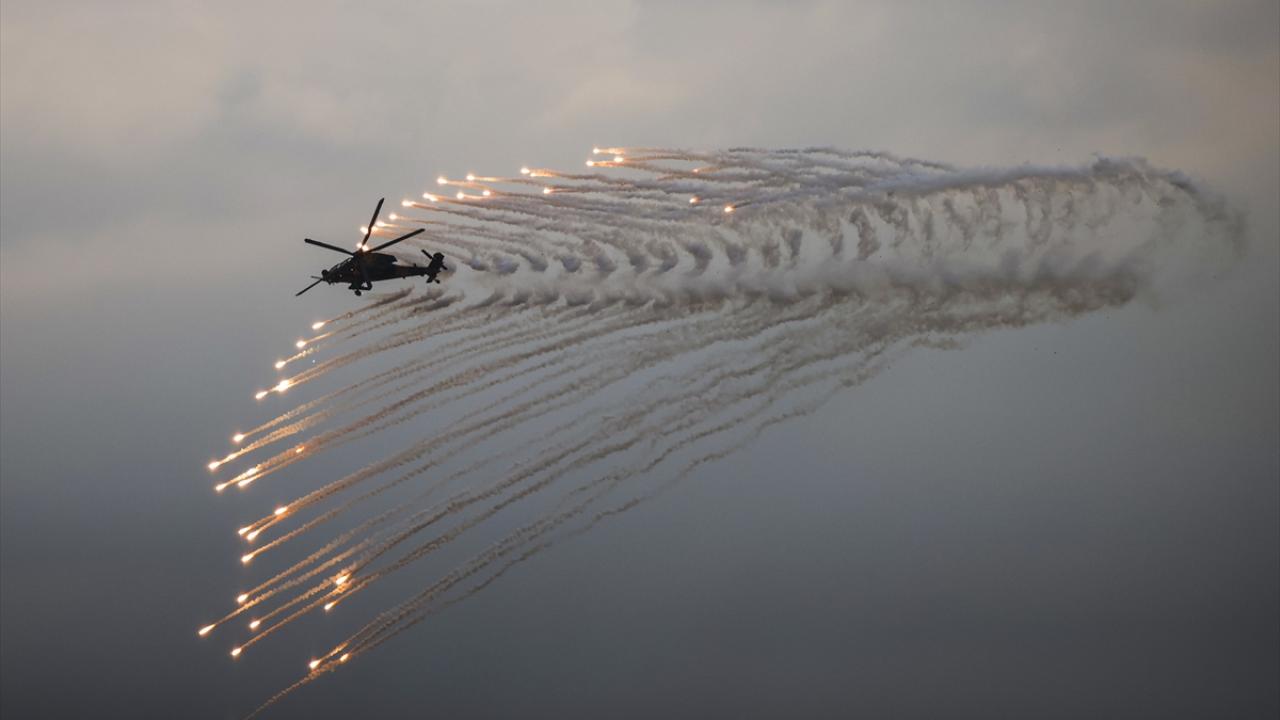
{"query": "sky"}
[(1069, 519)]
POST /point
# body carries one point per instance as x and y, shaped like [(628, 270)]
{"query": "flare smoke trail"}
[(651, 314)]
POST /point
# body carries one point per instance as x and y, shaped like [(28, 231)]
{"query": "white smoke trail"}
[(741, 287)]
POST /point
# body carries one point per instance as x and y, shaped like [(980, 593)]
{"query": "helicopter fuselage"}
[(377, 266)]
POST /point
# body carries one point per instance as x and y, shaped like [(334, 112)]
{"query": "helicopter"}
[(366, 265)]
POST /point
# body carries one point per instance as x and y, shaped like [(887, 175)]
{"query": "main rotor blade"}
[(372, 222), (317, 282), (344, 251), (389, 243)]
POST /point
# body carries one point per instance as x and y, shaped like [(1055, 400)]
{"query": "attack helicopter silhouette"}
[(366, 265)]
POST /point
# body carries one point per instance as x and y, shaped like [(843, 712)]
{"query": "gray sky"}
[(1064, 520)]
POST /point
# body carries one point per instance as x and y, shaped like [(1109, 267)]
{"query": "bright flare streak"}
[(471, 177), (429, 196), (344, 657), (728, 208), (298, 451), (380, 224), (406, 203), (235, 652), (591, 163), (282, 510), (280, 364), (247, 476), (524, 171), (237, 437), (486, 193), (253, 534), (220, 488), (242, 596), (364, 229), (320, 324), (393, 216), (205, 630), (618, 158), (282, 386), (214, 465), (547, 191), (300, 344), (246, 558), (243, 530), (442, 180), (260, 394), (461, 195), (313, 664), (596, 150), (340, 579), (693, 200), (254, 625), (328, 606)]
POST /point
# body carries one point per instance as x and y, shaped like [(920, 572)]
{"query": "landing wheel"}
[(357, 293)]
